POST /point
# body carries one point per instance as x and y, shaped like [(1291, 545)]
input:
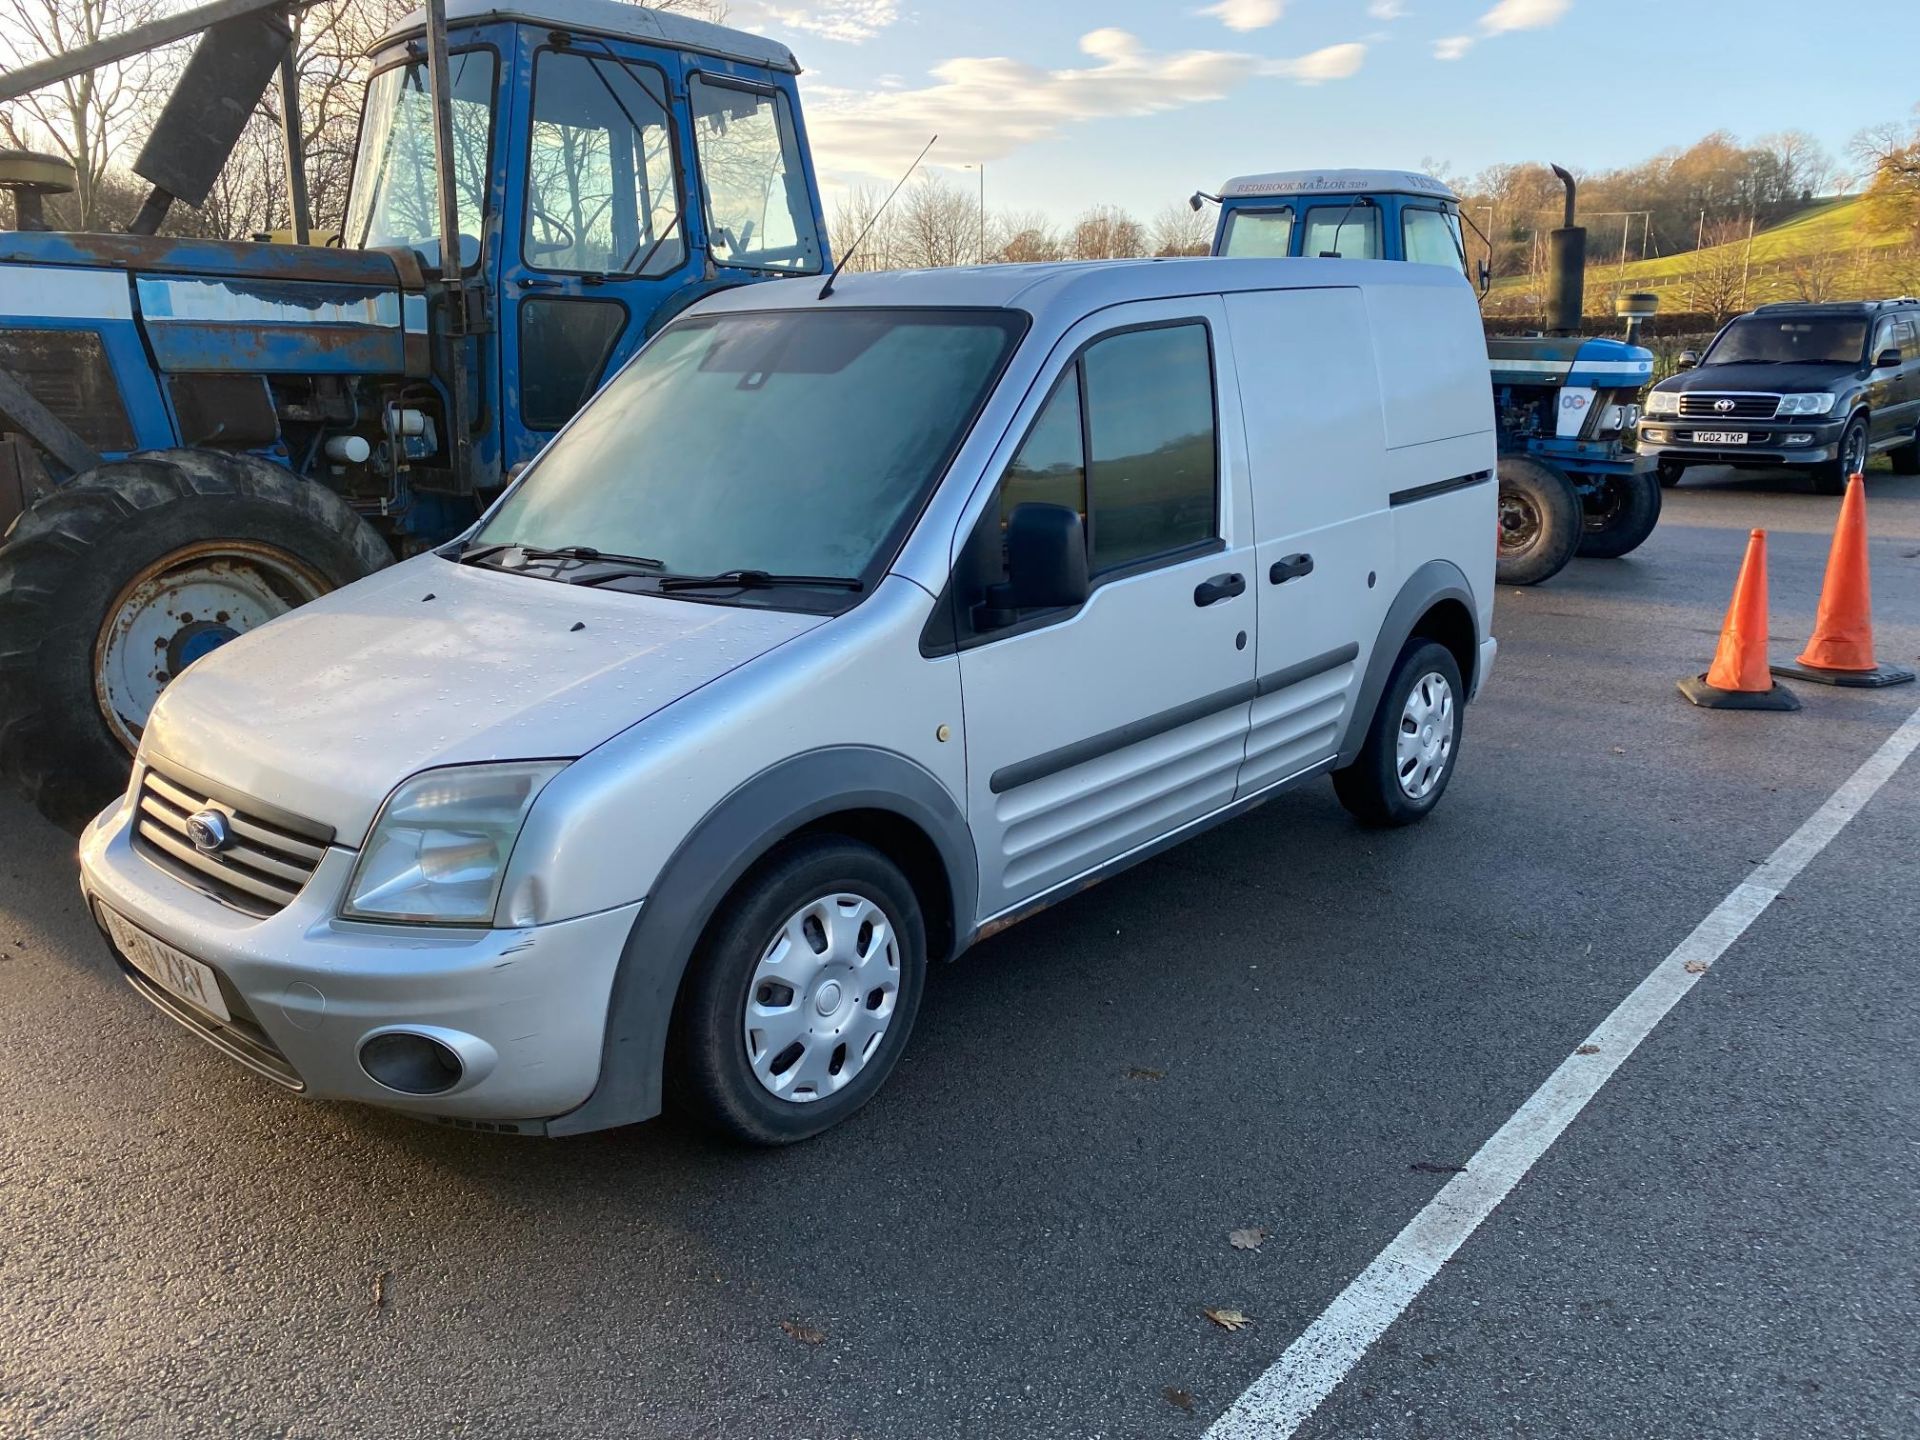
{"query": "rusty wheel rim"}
[(181, 607)]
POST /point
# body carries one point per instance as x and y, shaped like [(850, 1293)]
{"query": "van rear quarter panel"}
[(1315, 439), (1436, 395)]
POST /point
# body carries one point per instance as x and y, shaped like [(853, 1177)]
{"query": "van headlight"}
[(1663, 402), (439, 848), (1815, 404)]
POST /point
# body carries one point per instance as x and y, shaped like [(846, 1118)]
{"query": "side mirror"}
[(1486, 276), (1046, 558), (1887, 359), (1688, 359)]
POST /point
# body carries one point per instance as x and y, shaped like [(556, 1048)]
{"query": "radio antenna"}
[(827, 289)]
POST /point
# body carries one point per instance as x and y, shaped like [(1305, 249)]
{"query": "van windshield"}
[(792, 443)]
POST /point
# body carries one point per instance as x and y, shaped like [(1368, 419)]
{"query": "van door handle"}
[(1220, 587), (1290, 567)]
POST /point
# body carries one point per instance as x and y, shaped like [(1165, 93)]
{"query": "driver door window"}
[(602, 197), (759, 213)]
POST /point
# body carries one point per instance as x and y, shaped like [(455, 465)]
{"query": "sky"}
[(1071, 103)]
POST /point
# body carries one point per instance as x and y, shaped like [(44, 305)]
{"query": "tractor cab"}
[(1345, 214)]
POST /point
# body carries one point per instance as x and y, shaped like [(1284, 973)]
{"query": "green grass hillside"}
[(1828, 251)]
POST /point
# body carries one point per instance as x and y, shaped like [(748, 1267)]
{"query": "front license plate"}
[(174, 971), (1719, 437)]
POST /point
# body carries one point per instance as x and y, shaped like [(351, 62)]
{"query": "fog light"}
[(1658, 437), (411, 1063), (1799, 440)]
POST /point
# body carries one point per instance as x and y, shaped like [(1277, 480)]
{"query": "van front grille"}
[(264, 863), (1736, 407)]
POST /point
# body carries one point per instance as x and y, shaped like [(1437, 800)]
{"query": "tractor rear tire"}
[(89, 563), (1620, 516), (1540, 524)]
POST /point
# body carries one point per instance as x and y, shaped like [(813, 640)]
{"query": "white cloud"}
[(1335, 62), (851, 21), (1523, 15), (1246, 14), (987, 107), (1386, 9), (1452, 47)]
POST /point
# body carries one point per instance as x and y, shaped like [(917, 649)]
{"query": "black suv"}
[(1821, 386)]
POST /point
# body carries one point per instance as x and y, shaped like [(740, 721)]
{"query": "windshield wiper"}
[(577, 554), (758, 580)]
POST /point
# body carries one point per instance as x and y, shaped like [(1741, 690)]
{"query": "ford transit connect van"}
[(840, 631)]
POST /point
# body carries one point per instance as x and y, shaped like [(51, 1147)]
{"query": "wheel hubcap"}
[(180, 608), (1519, 522), (1856, 452), (1426, 736), (822, 997)]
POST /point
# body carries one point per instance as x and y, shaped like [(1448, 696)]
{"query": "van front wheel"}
[(1413, 743), (803, 993)]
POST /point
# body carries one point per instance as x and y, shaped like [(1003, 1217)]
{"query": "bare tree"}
[(1106, 232), (1179, 229), (83, 118), (1718, 279), (1022, 238), (936, 223)]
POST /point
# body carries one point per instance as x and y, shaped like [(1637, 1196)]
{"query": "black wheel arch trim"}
[(735, 835), (1433, 582)]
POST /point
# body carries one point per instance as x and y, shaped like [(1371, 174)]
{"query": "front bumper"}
[(1765, 443), (306, 988)]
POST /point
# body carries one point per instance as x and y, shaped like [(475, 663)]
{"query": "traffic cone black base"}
[(1712, 697), (1854, 679)]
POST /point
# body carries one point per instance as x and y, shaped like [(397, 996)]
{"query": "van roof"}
[(615, 18), (1080, 287), (1336, 182)]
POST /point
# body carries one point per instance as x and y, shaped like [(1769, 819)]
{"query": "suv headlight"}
[(1815, 404), (1663, 402), (439, 848)]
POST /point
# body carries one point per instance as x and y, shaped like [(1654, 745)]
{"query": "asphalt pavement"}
[(1288, 1024)]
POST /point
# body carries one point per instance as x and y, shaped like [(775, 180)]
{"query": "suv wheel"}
[(1830, 478), (1413, 743), (803, 993)]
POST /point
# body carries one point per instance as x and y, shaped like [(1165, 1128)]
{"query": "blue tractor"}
[(1565, 405), (197, 435)]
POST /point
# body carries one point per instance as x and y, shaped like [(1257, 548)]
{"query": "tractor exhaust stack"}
[(1566, 269)]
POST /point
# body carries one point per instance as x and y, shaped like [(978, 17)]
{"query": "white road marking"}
[(1276, 1404)]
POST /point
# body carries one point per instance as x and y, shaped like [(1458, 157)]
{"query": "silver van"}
[(839, 631)]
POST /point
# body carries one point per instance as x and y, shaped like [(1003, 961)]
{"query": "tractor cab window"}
[(602, 197), (395, 198), (1350, 230), (758, 211), (1432, 237), (1258, 234)]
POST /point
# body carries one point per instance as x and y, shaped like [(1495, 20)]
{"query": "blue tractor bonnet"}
[(1600, 363)]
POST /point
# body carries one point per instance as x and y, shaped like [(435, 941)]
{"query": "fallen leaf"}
[(1227, 1319), (1180, 1399), (377, 1300), (1433, 1167), (805, 1334), (1696, 967), (1587, 1050), (1249, 1238), (1141, 1072), (1619, 749)]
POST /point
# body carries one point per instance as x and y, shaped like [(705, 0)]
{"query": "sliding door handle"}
[(1220, 587), (1290, 567)]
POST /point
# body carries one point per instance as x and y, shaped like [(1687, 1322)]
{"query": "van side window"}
[(1141, 404), (1151, 483)]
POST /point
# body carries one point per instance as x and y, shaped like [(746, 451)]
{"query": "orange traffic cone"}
[(1738, 678), (1841, 650)]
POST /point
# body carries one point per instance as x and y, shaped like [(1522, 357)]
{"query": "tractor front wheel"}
[(1619, 514), (1540, 524), (119, 580)]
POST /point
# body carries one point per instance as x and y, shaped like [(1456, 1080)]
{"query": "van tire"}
[(67, 563), (1370, 788), (1540, 523), (710, 1071), (1619, 516)]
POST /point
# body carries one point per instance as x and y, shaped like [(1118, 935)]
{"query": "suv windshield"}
[(1821, 339), (395, 194), (797, 442)]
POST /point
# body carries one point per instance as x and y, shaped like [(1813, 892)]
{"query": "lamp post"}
[(980, 255)]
